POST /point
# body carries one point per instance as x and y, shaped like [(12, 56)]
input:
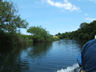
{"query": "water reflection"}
[(10, 59), (13, 59), (39, 57), (39, 49)]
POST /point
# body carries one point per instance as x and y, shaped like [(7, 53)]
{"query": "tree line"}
[(11, 23), (86, 32)]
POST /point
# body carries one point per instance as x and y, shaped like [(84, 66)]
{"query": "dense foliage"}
[(40, 34), (86, 32), (10, 24), (9, 20)]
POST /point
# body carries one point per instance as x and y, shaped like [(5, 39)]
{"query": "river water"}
[(58, 56)]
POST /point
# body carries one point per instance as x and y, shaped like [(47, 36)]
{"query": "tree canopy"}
[(39, 34), (87, 31), (9, 20)]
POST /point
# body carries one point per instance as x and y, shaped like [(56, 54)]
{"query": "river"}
[(58, 56)]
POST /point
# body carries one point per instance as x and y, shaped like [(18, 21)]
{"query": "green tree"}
[(10, 23), (9, 20), (86, 32), (39, 34), (83, 25)]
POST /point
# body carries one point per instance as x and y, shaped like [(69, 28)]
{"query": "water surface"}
[(40, 57)]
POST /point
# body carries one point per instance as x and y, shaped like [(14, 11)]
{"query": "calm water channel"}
[(40, 57)]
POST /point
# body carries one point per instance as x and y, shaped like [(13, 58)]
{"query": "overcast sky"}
[(56, 15)]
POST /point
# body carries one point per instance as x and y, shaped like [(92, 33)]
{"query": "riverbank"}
[(19, 40), (86, 32), (14, 40)]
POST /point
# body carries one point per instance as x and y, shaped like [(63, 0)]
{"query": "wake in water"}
[(69, 69)]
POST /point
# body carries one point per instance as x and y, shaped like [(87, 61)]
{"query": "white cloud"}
[(90, 19), (66, 5)]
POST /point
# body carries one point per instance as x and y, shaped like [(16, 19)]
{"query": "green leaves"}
[(37, 31), (87, 31), (9, 20), (39, 34)]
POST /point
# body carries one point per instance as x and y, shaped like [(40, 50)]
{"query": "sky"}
[(56, 15)]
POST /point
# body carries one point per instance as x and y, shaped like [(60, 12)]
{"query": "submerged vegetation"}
[(86, 32)]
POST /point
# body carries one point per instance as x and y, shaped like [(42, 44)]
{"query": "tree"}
[(83, 25), (9, 20), (86, 32), (39, 34)]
